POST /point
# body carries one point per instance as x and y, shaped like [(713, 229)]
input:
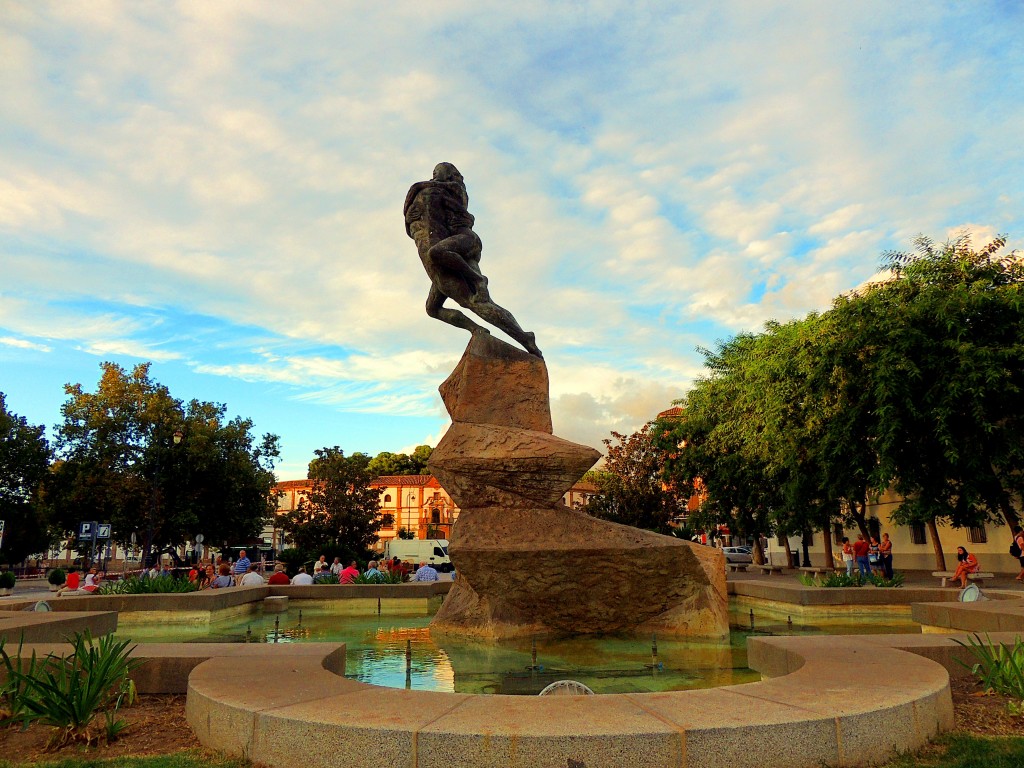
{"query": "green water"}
[(376, 653)]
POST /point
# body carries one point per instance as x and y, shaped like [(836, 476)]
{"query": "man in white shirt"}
[(251, 578), (302, 579)]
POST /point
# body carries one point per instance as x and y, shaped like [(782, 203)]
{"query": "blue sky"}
[(217, 187)]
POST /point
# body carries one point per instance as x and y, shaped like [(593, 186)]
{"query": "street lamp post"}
[(147, 562)]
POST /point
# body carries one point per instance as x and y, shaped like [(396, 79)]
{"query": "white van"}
[(434, 552)]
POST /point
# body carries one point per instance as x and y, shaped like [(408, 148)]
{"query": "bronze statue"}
[(437, 217)]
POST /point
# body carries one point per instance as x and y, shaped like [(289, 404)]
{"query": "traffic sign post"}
[(2, 523)]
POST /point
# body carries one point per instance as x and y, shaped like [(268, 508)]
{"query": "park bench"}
[(768, 570), (979, 577), (815, 570), (737, 567)]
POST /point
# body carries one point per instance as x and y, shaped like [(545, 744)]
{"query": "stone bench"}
[(815, 571), (979, 577), (768, 570), (738, 567)]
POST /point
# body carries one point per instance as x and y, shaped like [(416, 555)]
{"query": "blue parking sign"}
[(85, 530)]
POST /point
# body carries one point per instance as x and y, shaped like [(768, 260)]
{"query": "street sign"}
[(2, 532), (85, 530), (103, 531)]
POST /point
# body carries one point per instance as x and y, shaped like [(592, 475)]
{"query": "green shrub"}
[(7, 579), (325, 578), (57, 577), (881, 581), (137, 585), (68, 693), (831, 580), (385, 577), (998, 668)]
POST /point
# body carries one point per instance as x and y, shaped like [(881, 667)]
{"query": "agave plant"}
[(68, 692), (998, 667), (13, 688)]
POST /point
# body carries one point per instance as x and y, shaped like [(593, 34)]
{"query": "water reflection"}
[(376, 653)]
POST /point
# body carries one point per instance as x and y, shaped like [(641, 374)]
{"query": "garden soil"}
[(156, 726)]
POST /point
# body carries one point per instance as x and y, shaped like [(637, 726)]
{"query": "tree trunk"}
[(827, 533), (860, 516), (940, 558), (759, 557), (789, 552), (1009, 514)]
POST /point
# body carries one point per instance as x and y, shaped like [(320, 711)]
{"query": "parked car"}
[(737, 555)]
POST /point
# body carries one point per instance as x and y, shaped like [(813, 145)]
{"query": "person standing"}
[(885, 552), (241, 566), (874, 556), (848, 558), (1018, 542), (860, 551), (337, 567)]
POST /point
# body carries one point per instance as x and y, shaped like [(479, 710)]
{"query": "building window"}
[(837, 533), (917, 534), (387, 498), (977, 535), (874, 528)]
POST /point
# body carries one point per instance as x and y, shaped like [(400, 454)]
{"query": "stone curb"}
[(802, 714)]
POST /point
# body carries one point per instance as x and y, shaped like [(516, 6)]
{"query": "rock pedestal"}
[(527, 564)]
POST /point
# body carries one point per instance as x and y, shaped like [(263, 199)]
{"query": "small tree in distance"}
[(340, 512)]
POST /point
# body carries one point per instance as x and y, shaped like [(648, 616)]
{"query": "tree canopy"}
[(630, 488), (340, 511), (388, 463), (24, 461), (150, 464), (912, 383)]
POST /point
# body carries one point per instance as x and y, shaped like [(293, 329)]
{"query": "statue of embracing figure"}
[(437, 218)]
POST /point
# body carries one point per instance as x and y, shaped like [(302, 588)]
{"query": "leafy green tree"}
[(387, 463), (943, 343), (630, 488), (341, 509), (24, 461), (131, 454)]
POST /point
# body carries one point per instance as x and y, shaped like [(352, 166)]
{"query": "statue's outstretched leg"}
[(501, 318), (436, 309)]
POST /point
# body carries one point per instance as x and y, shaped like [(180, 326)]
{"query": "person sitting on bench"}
[(966, 565)]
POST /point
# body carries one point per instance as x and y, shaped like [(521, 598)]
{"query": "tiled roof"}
[(671, 413), (293, 485), (403, 480)]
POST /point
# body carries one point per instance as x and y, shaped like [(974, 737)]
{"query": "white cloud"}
[(643, 179), (9, 341)]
